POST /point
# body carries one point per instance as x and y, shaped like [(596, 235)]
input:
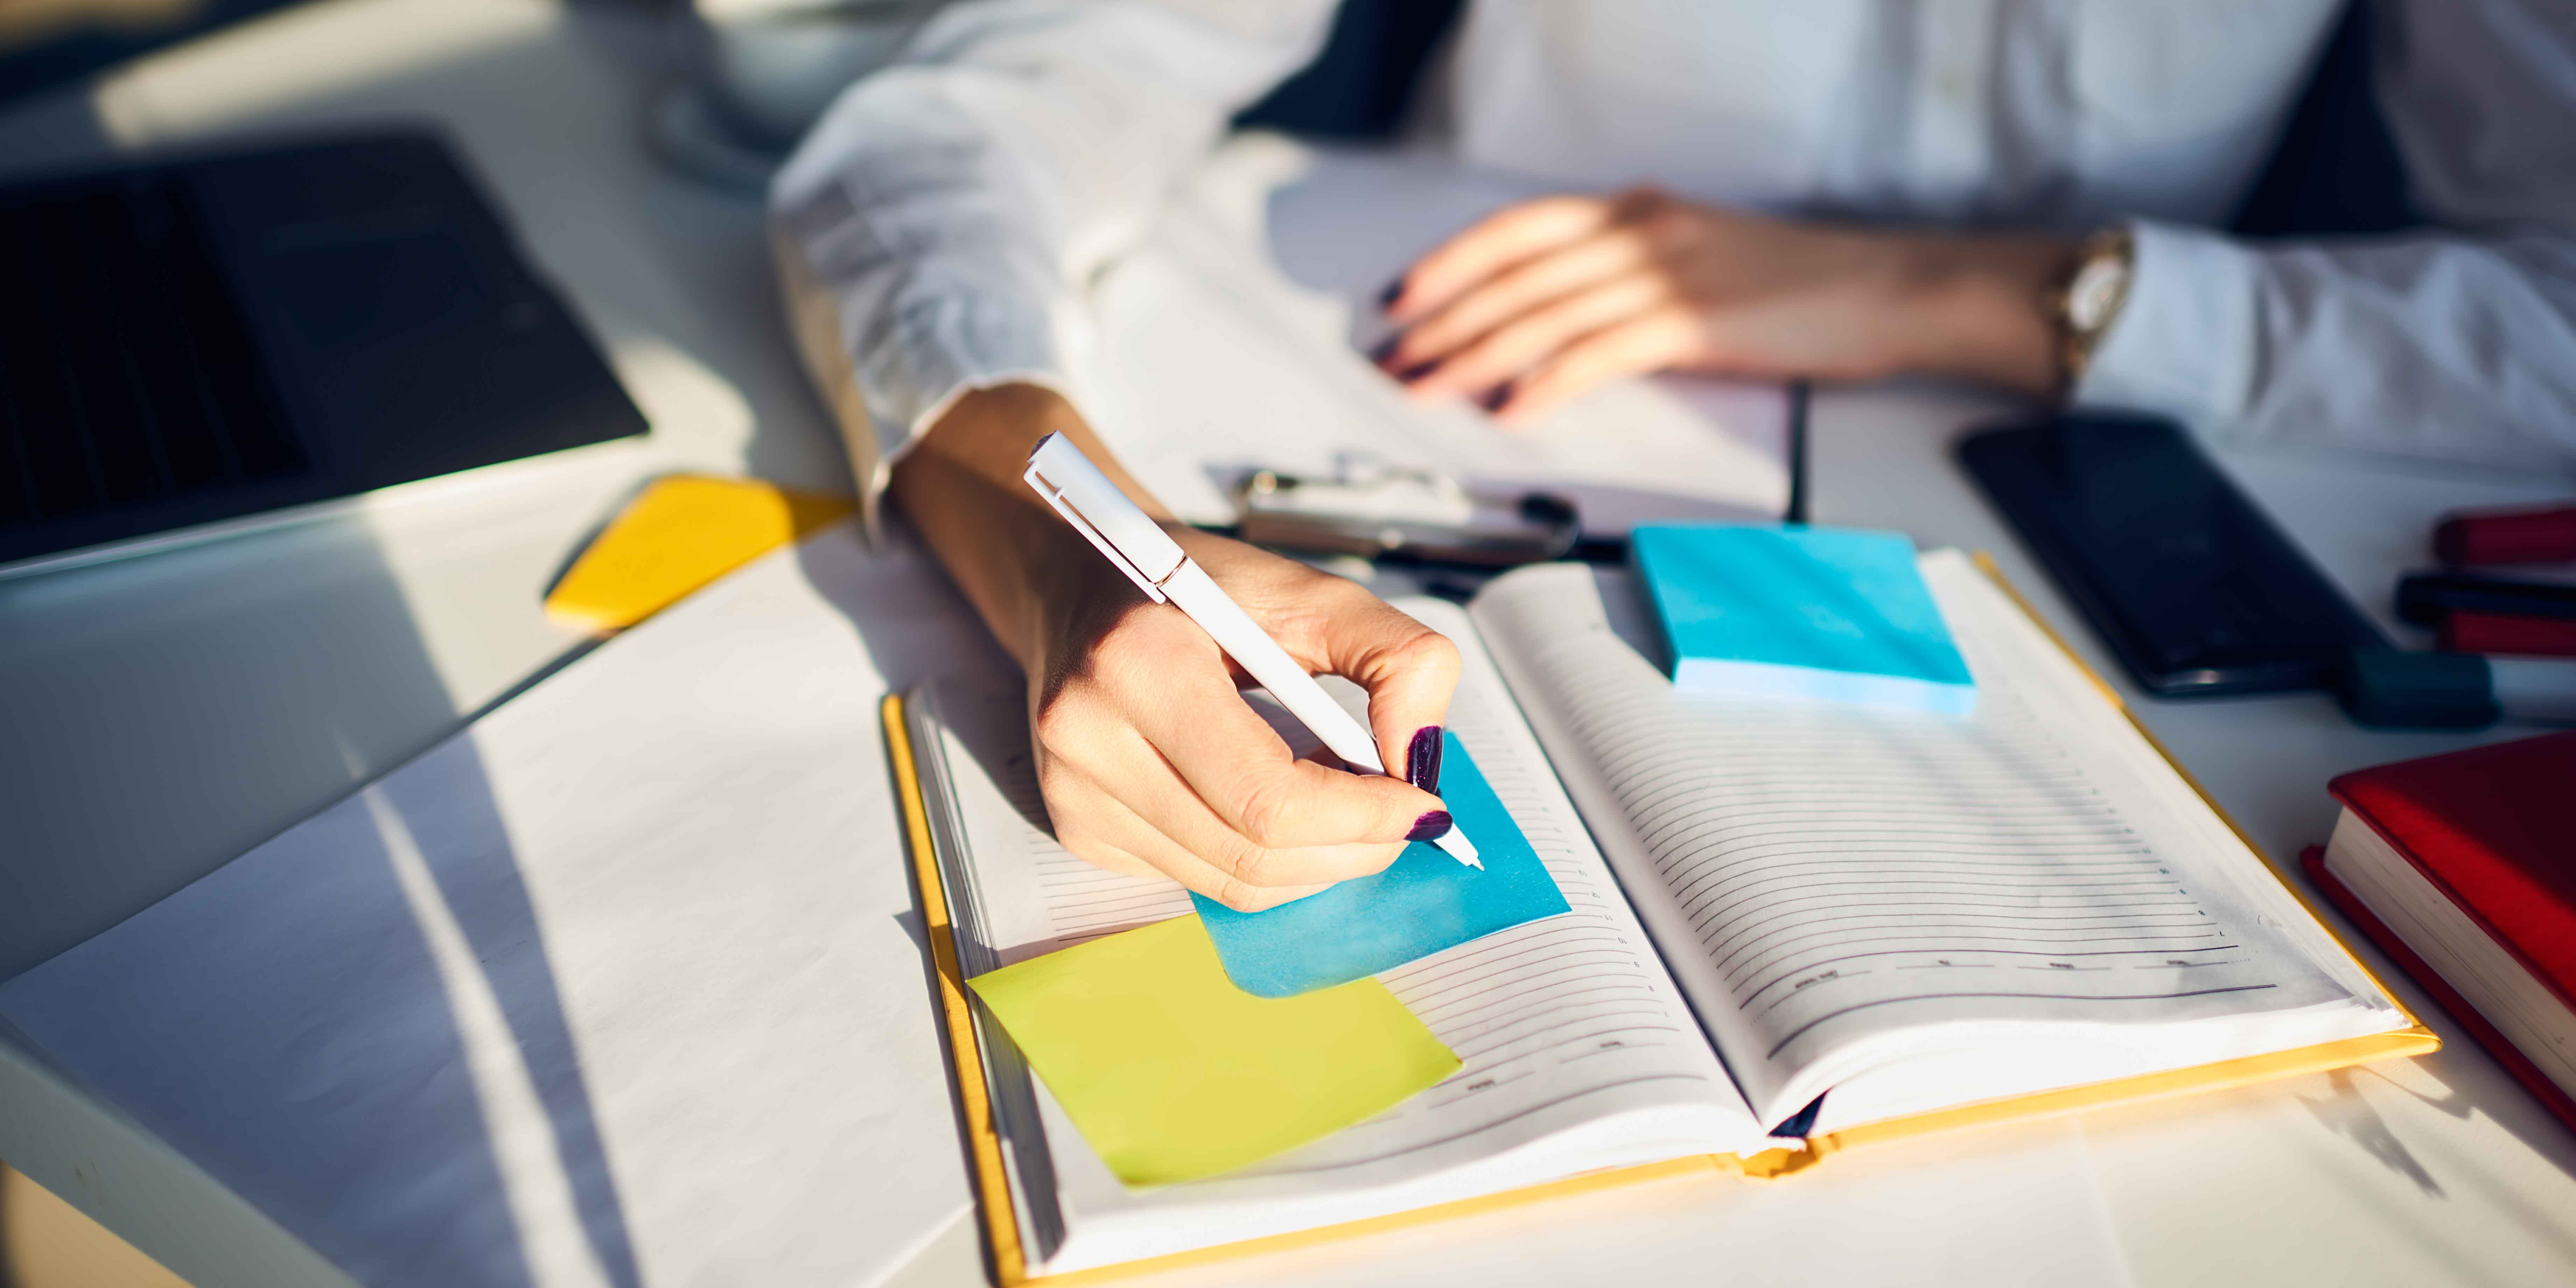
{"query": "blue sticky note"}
[(1422, 903), (1837, 614)]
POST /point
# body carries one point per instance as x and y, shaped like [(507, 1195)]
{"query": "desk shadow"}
[(2475, 1086), (422, 1050), (460, 840), (321, 1031), (915, 627), (908, 616), (2347, 1114), (332, 1050)]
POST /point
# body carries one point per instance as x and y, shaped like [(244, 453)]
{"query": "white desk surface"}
[(168, 713)]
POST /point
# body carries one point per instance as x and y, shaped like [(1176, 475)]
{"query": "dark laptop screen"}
[(126, 372), (189, 341)]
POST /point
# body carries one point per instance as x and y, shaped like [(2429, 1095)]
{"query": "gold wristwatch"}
[(2086, 306)]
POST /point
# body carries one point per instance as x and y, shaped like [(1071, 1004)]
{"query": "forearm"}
[(1547, 298), (961, 487)]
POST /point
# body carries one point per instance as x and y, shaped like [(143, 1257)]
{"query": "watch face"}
[(2095, 292)]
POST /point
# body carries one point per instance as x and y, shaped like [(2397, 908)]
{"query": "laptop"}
[(191, 342)]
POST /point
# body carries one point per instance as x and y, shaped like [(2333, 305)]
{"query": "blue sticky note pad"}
[(1837, 614), (1422, 903)]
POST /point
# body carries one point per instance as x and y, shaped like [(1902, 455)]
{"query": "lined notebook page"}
[(1560, 1024), (1825, 877)]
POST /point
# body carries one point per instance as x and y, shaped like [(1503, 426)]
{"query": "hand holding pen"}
[(1148, 756), (1155, 564)]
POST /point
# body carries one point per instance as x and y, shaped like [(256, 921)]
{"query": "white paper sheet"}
[(1234, 341), (619, 986)]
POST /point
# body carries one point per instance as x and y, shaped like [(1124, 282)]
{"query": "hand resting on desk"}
[(1545, 299), (1148, 756)]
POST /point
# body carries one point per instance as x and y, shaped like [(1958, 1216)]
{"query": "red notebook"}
[(2463, 867)]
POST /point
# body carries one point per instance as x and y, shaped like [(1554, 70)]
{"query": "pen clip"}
[(1063, 505)]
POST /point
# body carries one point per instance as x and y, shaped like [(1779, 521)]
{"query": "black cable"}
[(1798, 398)]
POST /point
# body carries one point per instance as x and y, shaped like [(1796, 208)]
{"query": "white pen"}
[(1150, 558)]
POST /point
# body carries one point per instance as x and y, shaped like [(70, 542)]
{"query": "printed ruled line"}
[(1735, 979), (1793, 972), (1846, 901), (1964, 920)]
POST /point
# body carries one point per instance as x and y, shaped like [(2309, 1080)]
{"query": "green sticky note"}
[(1173, 1073)]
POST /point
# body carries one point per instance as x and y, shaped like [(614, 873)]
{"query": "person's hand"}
[(1543, 300), (1152, 762), (1149, 757)]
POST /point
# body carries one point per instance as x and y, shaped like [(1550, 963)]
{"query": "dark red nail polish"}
[(1422, 759), (1385, 349), (1430, 827), (1415, 372), (1386, 298), (1495, 398)]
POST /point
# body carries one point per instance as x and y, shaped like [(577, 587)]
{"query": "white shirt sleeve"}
[(2457, 344), (935, 226)]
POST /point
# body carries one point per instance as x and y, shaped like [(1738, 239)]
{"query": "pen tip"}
[(1455, 842)]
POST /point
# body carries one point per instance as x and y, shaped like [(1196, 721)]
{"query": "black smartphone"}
[(2193, 588)]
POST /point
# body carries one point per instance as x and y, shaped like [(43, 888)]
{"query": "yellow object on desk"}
[(1173, 1073), (683, 531)]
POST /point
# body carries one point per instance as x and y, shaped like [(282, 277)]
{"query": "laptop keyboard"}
[(127, 374)]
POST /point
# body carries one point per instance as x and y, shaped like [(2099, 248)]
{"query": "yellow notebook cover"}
[(681, 532), (1001, 1225)]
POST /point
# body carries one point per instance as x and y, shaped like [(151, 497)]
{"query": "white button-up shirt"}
[(937, 224)]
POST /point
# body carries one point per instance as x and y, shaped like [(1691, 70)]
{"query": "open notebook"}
[(1794, 926)]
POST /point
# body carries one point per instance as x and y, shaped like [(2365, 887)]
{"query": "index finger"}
[(1409, 670), (1499, 240), (1227, 756), (1243, 774)]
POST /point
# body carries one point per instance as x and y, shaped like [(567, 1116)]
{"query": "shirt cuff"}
[(928, 347), (893, 341), (2185, 343)]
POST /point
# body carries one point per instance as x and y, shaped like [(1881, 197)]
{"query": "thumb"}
[(1334, 625)]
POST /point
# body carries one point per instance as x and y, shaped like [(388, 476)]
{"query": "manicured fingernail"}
[(1386, 298), (1422, 759), (1385, 349), (1495, 397), (1430, 827), (1416, 372)]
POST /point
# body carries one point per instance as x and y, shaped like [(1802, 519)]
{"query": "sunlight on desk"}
[(300, 54)]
